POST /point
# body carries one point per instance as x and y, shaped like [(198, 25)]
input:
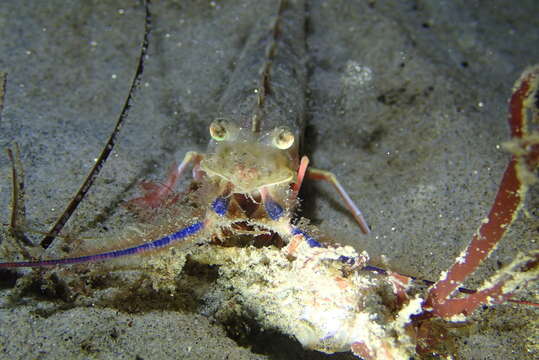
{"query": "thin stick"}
[(74, 203), (18, 208), (3, 80)]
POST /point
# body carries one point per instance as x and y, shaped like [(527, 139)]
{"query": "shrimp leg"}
[(156, 194), (317, 174)]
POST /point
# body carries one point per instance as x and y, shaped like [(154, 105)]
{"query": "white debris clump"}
[(310, 293)]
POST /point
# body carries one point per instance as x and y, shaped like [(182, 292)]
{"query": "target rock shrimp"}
[(242, 200)]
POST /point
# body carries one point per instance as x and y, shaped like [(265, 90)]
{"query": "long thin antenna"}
[(149, 246), (75, 201)]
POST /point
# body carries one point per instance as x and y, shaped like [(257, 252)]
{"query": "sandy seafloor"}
[(407, 106)]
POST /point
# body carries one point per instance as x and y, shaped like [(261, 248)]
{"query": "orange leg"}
[(329, 177), (301, 175), (155, 194)]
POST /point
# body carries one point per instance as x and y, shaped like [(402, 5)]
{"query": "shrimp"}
[(258, 160)]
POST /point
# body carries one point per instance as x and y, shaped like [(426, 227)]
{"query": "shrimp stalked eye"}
[(283, 138), (220, 129)]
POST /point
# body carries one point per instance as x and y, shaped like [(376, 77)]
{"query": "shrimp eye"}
[(219, 129), (283, 138)]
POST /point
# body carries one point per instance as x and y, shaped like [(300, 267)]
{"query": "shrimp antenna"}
[(107, 149), (149, 246)]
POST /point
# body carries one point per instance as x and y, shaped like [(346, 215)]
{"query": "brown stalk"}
[(509, 200), (107, 149)]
